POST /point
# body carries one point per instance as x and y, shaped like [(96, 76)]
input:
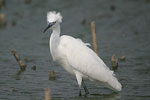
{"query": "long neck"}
[(54, 40)]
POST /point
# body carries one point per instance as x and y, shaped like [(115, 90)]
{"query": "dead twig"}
[(20, 62)]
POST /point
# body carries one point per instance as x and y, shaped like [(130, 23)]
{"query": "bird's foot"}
[(80, 93), (87, 92)]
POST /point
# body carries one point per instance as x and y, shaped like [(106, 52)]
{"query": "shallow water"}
[(122, 28)]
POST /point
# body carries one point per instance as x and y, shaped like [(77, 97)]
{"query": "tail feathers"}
[(114, 84)]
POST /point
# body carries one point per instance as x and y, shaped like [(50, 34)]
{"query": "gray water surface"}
[(122, 27)]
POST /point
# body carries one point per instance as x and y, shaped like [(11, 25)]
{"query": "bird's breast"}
[(64, 63)]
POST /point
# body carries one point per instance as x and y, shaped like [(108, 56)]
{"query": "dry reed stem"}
[(52, 75), (114, 62), (95, 46), (47, 94)]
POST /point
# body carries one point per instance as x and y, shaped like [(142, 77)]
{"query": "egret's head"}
[(52, 19)]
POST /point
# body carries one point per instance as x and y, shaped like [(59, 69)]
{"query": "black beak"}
[(49, 25)]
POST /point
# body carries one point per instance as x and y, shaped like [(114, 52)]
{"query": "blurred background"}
[(122, 28)]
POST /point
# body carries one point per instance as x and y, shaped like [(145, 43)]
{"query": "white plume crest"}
[(52, 16)]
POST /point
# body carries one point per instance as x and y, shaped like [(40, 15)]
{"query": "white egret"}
[(77, 58)]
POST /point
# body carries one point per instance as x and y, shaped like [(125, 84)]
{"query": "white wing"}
[(84, 60)]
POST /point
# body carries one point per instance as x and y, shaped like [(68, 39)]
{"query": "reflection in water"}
[(17, 76), (111, 96)]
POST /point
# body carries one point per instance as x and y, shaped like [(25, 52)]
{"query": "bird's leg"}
[(85, 88), (80, 91), (79, 80)]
